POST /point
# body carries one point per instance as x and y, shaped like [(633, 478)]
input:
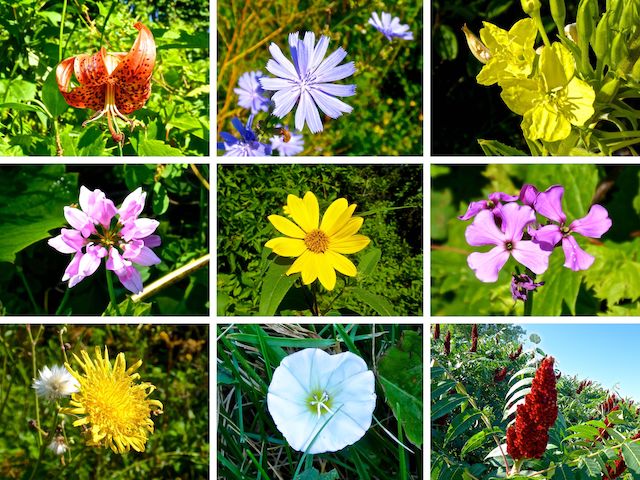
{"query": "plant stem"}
[(64, 13), (528, 303), (26, 286), (35, 374), (112, 293), (63, 302)]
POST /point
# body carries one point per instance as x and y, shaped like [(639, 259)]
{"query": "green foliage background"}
[(249, 443), (35, 119), (465, 393), (175, 360), (248, 194), (387, 111), (609, 287), (32, 199)]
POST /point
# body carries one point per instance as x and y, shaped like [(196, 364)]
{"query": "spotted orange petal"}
[(133, 73), (90, 94), (91, 70)]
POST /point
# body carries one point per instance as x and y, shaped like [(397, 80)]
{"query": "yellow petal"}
[(300, 214), (350, 228), (311, 202), (341, 263), (309, 268), (351, 244), (326, 273), (334, 216), (300, 263), (286, 226), (286, 247)]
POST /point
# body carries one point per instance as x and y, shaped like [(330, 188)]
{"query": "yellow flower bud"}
[(530, 7)]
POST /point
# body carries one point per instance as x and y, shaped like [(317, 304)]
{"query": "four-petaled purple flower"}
[(293, 146), (521, 285), (508, 241), (595, 224), (494, 204), (247, 145), (390, 28), (250, 92), (95, 236), (307, 81)]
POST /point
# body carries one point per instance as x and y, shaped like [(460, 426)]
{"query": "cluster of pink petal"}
[(130, 243), (501, 222)]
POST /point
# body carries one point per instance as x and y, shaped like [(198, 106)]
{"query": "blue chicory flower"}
[(293, 146), (247, 145), (307, 81), (250, 92), (390, 28)]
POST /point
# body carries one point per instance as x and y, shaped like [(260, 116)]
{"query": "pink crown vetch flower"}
[(95, 235)]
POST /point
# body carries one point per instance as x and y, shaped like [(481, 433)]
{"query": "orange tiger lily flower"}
[(112, 84)]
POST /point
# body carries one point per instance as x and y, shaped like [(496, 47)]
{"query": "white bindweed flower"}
[(55, 383), (312, 391)]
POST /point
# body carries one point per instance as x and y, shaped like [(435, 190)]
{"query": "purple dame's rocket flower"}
[(292, 147), (507, 240), (250, 92), (493, 204), (390, 28), (521, 285), (247, 145), (307, 81), (95, 236), (595, 224)]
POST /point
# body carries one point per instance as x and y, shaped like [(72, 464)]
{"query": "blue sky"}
[(606, 353)]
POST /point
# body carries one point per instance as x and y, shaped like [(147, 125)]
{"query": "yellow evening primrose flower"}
[(510, 53), (553, 99), (317, 245), (115, 408)]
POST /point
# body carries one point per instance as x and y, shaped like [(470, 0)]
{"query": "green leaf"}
[(16, 90), (275, 286), (563, 472), (51, 95), (631, 455), (492, 148), (441, 388), (445, 42), (560, 290), (535, 338), (160, 201), (477, 440), (369, 261), (586, 432), (313, 474), (156, 148), (381, 305), (400, 374), (32, 199), (283, 341), (592, 466), (461, 424), (22, 107), (129, 308), (615, 275)]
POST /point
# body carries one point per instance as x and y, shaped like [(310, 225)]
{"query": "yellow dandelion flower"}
[(115, 408), (318, 245)]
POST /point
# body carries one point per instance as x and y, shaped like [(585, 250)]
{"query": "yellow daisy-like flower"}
[(318, 245), (115, 408)]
